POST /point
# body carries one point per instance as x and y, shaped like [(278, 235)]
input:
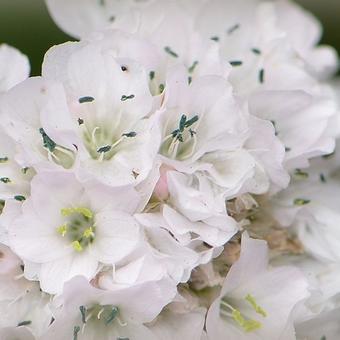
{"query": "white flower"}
[(68, 229), (99, 131), (22, 304), (291, 110), (130, 167), (262, 43), (14, 67), (311, 207), (206, 131), (23, 120), (256, 302), (87, 313)]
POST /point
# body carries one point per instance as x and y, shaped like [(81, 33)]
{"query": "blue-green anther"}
[(114, 312)]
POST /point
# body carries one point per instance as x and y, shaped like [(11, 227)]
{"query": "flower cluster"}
[(171, 175)]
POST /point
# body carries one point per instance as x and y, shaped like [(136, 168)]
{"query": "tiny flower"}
[(256, 301), (67, 229), (83, 310)]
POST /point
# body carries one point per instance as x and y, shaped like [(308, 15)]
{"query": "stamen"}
[(112, 315), (125, 98), (191, 121), (76, 330), (193, 66), (24, 323), (168, 50), (83, 313), (301, 201), (227, 305), (47, 141), (77, 246), (256, 51), (301, 174), (89, 316), (323, 178), (100, 313), (86, 99), (235, 63), (3, 159), (130, 134), (152, 75), (261, 76), (193, 148), (248, 325), (161, 88), (88, 233), (117, 142), (104, 149), (62, 230), (5, 180), (65, 151), (232, 29), (184, 123), (50, 156), (83, 211), (20, 198), (121, 323), (256, 307), (83, 328), (174, 146), (93, 135)]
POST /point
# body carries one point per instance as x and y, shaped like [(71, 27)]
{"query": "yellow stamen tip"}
[(257, 308), (66, 211), (62, 230), (83, 211), (88, 232), (247, 325), (251, 325), (77, 246)]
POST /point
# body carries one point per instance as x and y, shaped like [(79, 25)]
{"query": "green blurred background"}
[(27, 25)]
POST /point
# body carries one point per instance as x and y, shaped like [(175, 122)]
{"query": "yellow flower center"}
[(78, 228)]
